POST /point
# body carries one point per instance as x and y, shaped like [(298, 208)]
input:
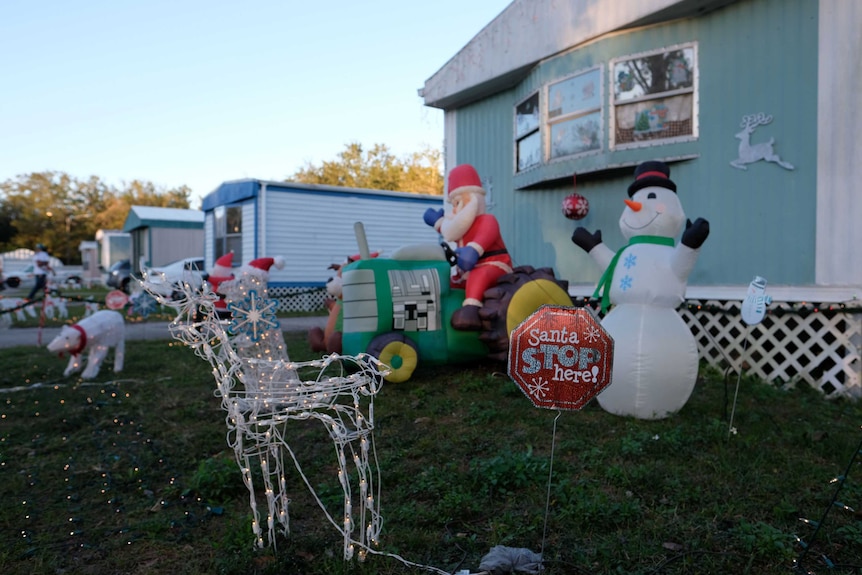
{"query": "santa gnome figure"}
[(222, 271), (253, 275), (260, 267), (481, 255)]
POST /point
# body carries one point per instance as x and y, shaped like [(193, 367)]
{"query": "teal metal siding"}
[(753, 56)]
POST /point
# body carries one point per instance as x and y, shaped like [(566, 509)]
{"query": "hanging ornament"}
[(575, 206)]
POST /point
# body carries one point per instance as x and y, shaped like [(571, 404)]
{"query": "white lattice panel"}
[(298, 299), (820, 347)]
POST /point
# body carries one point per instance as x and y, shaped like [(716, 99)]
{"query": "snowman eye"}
[(651, 196)]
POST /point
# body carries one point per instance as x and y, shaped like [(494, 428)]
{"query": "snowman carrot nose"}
[(635, 206)]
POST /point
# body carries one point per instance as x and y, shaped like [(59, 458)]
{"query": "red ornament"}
[(575, 206), (561, 357)]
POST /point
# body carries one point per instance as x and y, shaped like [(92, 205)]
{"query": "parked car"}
[(25, 279), (166, 280), (119, 275)]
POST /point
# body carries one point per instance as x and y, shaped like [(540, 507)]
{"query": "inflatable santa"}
[(481, 255), (655, 354)]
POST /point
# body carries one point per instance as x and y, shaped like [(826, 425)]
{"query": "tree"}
[(59, 211), (378, 169)]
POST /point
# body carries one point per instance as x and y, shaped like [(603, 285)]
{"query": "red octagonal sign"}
[(561, 357)]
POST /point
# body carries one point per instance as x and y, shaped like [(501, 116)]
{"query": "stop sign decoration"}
[(116, 299), (561, 357)]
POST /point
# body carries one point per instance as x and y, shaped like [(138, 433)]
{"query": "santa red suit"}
[(494, 261), (481, 253)]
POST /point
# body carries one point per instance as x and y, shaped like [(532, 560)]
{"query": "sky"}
[(196, 93)]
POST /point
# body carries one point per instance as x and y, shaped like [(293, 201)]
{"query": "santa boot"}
[(466, 318)]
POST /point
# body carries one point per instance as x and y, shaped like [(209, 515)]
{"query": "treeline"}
[(60, 211), (377, 168)]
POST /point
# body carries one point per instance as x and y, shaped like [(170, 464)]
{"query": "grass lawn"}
[(131, 473)]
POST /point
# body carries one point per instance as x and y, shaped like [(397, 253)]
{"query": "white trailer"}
[(310, 226)]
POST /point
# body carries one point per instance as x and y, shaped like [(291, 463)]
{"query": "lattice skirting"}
[(820, 347), (298, 299)]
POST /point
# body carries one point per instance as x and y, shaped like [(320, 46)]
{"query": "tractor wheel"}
[(513, 299), (398, 352)]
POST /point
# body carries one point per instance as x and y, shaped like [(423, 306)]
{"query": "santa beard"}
[(458, 221)]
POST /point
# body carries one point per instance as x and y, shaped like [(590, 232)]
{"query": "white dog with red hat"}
[(93, 335), (479, 248)]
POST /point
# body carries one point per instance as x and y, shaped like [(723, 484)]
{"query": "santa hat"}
[(266, 263), (464, 179), (223, 266), (652, 174)]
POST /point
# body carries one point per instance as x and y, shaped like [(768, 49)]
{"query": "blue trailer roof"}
[(238, 190)]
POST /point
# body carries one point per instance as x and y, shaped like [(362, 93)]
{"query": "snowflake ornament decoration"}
[(253, 315), (143, 304)]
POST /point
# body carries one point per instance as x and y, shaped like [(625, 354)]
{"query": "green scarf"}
[(604, 287)]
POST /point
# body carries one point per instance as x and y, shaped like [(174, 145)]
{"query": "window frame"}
[(549, 121), (615, 104), (223, 241), (529, 133)]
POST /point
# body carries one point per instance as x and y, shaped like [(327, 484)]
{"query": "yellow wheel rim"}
[(530, 297), (402, 358)]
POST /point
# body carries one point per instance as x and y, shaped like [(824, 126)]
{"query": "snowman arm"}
[(602, 255), (682, 261)]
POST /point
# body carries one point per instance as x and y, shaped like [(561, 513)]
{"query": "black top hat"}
[(652, 173)]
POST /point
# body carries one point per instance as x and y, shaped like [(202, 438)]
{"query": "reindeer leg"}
[(119, 355)]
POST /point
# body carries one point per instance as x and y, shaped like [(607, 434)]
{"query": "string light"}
[(262, 392)]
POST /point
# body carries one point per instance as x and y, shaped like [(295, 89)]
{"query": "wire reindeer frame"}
[(262, 391)]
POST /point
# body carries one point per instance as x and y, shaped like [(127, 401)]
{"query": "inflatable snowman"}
[(655, 354)]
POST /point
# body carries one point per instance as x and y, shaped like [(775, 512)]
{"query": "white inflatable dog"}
[(94, 334)]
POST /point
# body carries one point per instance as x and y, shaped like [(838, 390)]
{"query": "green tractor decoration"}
[(398, 309)]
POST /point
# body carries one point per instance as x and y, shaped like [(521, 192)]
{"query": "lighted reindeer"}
[(749, 154)]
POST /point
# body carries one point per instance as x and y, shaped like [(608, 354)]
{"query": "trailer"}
[(311, 226)]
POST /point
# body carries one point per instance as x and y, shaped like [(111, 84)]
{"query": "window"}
[(228, 231), (654, 96), (528, 142), (575, 115)]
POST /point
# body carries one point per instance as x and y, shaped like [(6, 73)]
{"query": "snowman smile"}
[(628, 225)]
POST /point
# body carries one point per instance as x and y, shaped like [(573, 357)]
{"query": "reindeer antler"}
[(754, 120)]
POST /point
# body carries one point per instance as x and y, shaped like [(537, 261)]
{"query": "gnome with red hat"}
[(481, 254), (254, 275), (222, 271)]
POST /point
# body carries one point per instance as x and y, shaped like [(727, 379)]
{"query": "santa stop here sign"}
[(561, 357)]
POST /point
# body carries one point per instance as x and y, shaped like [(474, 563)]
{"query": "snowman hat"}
[(266, 263), (652, 174), (464, 179)]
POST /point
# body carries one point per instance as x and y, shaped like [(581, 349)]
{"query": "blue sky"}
[(200, 92)]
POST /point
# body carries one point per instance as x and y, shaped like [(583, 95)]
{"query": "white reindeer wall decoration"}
[(748, 154)]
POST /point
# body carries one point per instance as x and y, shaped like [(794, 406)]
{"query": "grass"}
[(131, 473)]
